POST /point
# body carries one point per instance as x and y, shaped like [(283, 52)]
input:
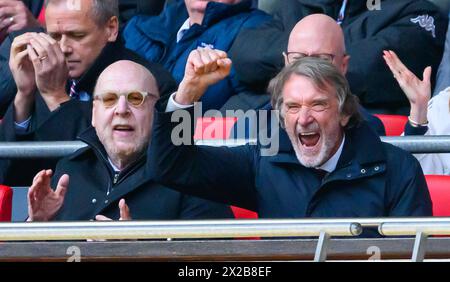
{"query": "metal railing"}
[(413, 144), (421, 229), (294, 229), (23, 150), (134, 230)]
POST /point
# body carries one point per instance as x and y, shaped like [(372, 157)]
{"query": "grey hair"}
[(323, 74), (102, 10)]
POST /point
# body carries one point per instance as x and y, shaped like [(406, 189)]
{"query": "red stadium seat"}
[(394, 124), (41, 17), (214, 128), (241, 213), (5, 203), (439, 187)]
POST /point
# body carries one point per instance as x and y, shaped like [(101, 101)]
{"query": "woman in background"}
[(427, 116)]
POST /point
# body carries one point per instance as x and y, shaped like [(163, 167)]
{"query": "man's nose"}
[(122, 106), (304, 117), (64, 43)]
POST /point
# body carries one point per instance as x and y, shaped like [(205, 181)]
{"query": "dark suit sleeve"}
[(216, 173), (7, 85), (197, 208), (409, 195)]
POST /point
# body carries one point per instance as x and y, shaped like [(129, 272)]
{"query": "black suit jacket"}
[(91, 177)]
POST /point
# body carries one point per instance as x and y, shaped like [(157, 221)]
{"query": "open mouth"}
[(309, 139), (123, 128)]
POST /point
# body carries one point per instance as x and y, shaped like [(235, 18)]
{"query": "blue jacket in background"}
[(155, 39)]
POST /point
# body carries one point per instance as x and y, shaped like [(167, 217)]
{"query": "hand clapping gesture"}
[(43, 202)]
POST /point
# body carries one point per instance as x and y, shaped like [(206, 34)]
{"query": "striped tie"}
[(73, 92)]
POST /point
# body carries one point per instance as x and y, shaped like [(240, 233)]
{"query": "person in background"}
[(106, 179), (16, 15), (185, 25), (414, 28), (55, 75), (427, 116)]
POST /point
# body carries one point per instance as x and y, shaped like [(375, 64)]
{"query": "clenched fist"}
[(204, 68)]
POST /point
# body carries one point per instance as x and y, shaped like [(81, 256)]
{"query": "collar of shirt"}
[(331, 164), (116, 170), (185, 27)]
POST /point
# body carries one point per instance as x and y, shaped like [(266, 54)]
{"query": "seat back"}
[(5, 203), (240, 213), (208, 128), (439, 188), (394, 124)]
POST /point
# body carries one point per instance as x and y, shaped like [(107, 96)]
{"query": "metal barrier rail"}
[(421, 229), (172, 229), (413, 144), (30, 150), (27, 150), (440, 226), (339, 249), (420, 144), (275, 228), (133, 230)]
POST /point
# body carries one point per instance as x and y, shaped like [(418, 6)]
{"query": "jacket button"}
[(106, 201), (94, 201), (377, 168), (349, 175), (363, 171)]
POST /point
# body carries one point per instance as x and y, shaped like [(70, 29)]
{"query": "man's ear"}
[(345, 62), (112, 29), (93, 113), (285, 59), (344, 120)]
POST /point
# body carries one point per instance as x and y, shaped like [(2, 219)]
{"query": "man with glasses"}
[(415, 29), (329, 163), (320, 36), (106, 179), (55, 74)]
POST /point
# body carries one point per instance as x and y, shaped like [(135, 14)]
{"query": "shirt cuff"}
[(22, 127), (411, 130), (173, 106)]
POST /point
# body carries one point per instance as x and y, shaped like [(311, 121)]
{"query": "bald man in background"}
[(414, 29), (320, 36)]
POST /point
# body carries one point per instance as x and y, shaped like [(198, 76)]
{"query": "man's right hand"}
[(21, 66), (51, 69), (417, 91), (43, 202), (204, 68)]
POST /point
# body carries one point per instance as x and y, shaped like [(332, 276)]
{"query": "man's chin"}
[(75, 73), (310, 158)]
